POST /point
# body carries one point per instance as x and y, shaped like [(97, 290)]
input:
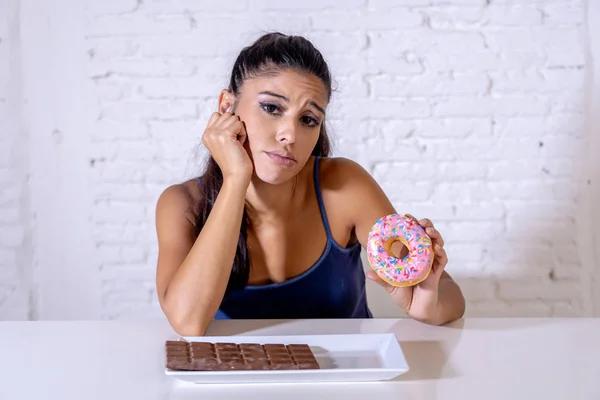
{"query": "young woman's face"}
[(283, 115)]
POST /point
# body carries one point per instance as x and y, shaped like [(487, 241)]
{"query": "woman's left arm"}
[(437, 299)]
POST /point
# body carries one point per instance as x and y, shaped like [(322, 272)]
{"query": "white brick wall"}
[(588, 211), (15, 248), (470, 112)]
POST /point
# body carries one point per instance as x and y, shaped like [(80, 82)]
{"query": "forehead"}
[(297, 86)]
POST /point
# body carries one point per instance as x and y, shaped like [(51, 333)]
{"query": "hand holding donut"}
[(412, 281)]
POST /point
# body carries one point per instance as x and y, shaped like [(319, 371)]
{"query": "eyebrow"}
[(288, 100)]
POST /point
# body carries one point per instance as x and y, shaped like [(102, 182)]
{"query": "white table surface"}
[(469, 359)]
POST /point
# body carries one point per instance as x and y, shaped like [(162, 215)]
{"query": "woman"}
[(274, 227)]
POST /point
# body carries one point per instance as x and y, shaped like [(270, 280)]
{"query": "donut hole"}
[(396, 248)]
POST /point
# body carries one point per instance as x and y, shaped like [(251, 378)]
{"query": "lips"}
[(282, 154), (282, 158)]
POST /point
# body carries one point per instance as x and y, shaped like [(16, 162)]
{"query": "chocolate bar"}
[(205, 356)]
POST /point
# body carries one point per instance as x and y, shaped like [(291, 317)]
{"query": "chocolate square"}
[(204, 356)]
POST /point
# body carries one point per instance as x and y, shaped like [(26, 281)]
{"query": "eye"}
[(310, 121), (269, 108)]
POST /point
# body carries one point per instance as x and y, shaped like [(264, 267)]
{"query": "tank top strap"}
[(320, 198)]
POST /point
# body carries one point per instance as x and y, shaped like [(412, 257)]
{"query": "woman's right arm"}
[(192, 273)]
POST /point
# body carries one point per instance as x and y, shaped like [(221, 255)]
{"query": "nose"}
[(287, 133)]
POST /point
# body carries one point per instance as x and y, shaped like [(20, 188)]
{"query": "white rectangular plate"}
[(344, 357)]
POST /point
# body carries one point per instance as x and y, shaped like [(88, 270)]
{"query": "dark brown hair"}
[(272, 52)]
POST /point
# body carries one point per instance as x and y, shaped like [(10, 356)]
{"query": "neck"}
[(274, 202)]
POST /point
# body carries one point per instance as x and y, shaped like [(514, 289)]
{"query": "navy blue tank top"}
[(334, 287)]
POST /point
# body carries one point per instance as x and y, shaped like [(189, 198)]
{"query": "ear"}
[(226, 101)]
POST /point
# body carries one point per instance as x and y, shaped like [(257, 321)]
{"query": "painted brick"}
[(385, 109), (9, 215), (103, 48), (480, 60), (111, 6), (534, 289), (144, 110), (567, 310), (480, 211), (414, 191), (435, 212), (9, 196), (8, 258), (470, 231), (535, 126), (484, 106), (477, 289), (136, 25), (308, 5), (429, 84), (11, 235), (534, 169), (461, 171), (478, 17), (388, 172), (164, 6), (559, 190), (177, 88), (119, 212), (468, 192), (454, 127), (138, 67), (182, 46), (564, 14), (513, 309)]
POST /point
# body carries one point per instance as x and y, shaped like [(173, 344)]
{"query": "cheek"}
[(258, 131), (312, 138)]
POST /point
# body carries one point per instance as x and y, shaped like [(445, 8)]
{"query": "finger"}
[(435, 236), (232, 127), (425, 222), (225, 120), (242, 135), (441, 259), (213, 118), (231, 120), (413, 218), (375, 278)]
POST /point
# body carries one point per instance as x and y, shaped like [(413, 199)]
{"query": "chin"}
[(273, 174), (273, 177)]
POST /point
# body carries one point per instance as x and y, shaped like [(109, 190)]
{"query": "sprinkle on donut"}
[(411, 269)]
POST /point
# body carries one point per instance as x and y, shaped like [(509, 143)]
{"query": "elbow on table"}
[(183, 323), (456, 311), (453, 304), (445, 312), (184, 327)]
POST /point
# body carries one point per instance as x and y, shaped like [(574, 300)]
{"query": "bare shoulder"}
[(175, 230), (178, 200), (339, 165), (345, 176), (355, 193)]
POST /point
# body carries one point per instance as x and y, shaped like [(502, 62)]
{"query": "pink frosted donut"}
[(411, 269)]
